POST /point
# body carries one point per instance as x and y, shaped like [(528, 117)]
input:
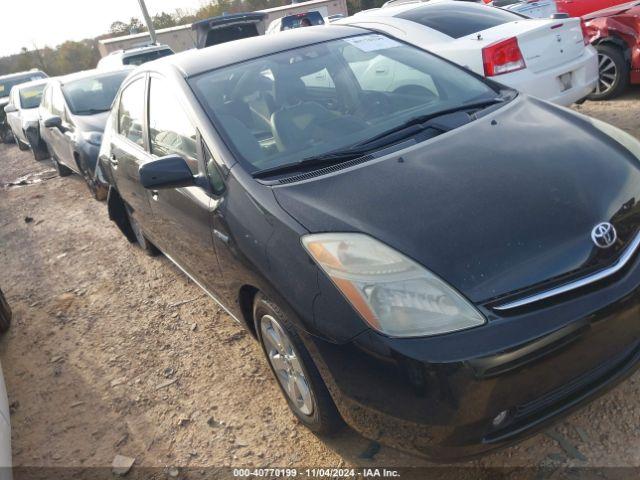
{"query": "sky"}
[(26, 23)]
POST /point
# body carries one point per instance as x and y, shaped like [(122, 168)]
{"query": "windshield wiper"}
[(440, 122), (91, 111)]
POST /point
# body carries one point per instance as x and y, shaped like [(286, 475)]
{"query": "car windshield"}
[(306, 102), (145, 57), (91, 95), (30, 96), (8, 83)]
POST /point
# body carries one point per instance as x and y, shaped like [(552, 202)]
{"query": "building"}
[(182, 38)]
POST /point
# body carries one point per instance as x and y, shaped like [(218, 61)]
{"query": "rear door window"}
[(131, 112), (458, 22), (170, 130)]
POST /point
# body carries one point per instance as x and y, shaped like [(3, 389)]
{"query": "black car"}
[(5, 313), (427, 256), (72, 115)]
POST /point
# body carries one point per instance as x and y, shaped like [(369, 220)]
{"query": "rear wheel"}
[(142, 241), (613, 71), (21, 145), (291, 364)]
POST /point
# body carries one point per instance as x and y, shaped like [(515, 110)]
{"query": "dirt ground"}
[(112, 352)]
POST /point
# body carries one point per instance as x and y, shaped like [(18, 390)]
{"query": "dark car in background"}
[(427, 266), (5, 313), (7, 82), (226, 28), (22, 116), (615, 33), (72, 117)]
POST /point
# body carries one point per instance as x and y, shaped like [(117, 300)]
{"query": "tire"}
[(142, 241), (22, 146), (62, 170), (614, 73), (314, 408), (6, 135), (5, 314)]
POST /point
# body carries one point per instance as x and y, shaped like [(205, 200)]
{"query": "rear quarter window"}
[(458, 22)]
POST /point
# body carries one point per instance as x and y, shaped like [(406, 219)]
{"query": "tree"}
[(164, 20), (119, 28)]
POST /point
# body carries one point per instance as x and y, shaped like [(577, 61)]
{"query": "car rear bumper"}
[(548, 86), (441, 397)]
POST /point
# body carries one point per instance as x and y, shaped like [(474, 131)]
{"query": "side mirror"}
[(53, 122), (166, 172), (10, 109)]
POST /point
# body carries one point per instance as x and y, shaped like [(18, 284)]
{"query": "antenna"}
[(147, 20)]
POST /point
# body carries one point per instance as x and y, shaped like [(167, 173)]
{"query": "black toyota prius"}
[(443, 263)]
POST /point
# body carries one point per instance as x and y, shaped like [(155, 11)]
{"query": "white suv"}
[(134, 56)]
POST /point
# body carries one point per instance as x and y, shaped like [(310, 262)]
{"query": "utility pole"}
[(147, 19)]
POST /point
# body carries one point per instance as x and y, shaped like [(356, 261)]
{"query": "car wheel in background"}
[(62, 170), (142, 241), (291, 364), (5, 314), (22, 146), (614, 73), (6, 135)]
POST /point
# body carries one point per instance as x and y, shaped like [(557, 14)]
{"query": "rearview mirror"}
[(10, 109), (53, 122), (166, 172)]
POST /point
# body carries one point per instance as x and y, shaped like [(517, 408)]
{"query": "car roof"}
[(193, 62), (392, 11), (21, 74), (96, 72), (33, 83)]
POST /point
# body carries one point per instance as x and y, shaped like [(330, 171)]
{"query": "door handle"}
[(154, 195), (113, 160)]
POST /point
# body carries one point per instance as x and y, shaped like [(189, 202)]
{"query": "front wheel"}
[(291, 364), (613, 70), (62, 170), (21, 145), (142, 241)]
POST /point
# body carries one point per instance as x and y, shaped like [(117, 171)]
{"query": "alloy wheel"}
[(608, 73), (286, 363)]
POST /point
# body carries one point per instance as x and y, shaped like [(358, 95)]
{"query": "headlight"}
[(392, 293), (623, 138), (94, 138)]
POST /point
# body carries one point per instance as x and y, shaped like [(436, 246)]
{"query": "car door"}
[(13, 118), (128, 149), (182, 223), (56, 136)]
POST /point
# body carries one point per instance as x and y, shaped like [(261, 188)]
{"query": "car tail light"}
[(502, 57), (585, 32)]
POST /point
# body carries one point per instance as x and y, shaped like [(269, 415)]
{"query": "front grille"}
[(527, 415), (578, 384)]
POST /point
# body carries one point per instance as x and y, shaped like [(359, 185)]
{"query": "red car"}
[(615, 32), (575, 8)]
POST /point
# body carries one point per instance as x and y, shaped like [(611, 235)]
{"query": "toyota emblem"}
[(604, 235)]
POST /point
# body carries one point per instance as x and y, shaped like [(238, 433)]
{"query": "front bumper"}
[(547, 85), (439, 396)]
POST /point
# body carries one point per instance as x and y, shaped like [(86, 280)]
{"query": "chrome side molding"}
[(213, 297), (579, 283)]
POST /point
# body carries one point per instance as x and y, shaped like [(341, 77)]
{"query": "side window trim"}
[(199, 151), (145, 147)]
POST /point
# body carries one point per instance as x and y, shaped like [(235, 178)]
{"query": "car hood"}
[(91, 123), (491, 208), (609, 12)]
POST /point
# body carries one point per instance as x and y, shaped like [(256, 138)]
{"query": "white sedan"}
[(546, 58)]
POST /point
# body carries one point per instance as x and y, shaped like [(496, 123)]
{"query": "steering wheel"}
[(375, 104)]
